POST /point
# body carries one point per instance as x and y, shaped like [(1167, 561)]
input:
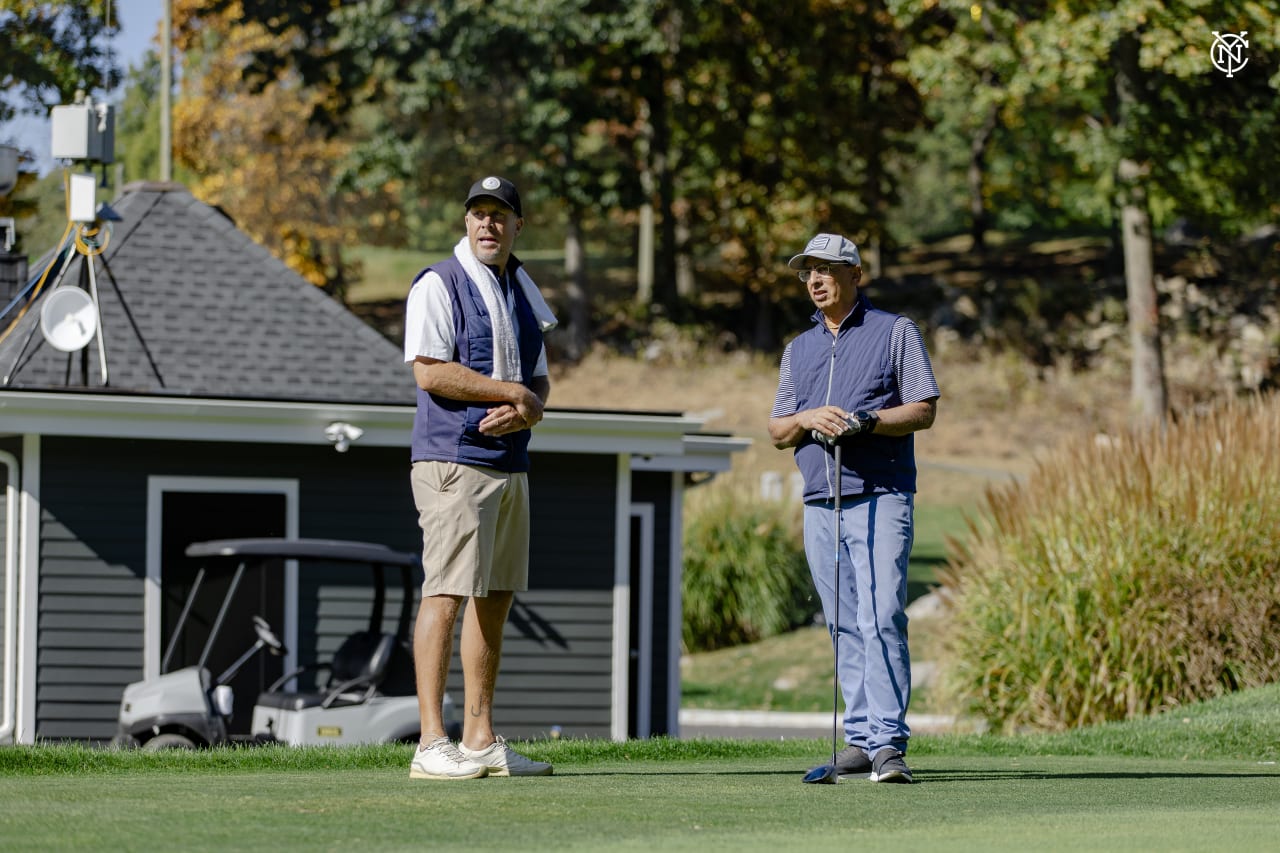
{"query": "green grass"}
[(1243, 726), (1162, 783), (934, 523), (727, 804), (792, 672), (386, 274)]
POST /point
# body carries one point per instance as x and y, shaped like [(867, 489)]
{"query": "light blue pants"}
[(874, 662)]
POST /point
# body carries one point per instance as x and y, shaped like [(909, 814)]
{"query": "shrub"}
[(1124, 576), (745, 574)]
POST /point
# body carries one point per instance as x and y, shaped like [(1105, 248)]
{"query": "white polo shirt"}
[(428, 322)]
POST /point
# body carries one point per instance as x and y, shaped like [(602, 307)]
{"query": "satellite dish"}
[(68, 319)]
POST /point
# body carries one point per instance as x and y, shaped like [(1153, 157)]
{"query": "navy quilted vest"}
[(447, 430), (851, 370)]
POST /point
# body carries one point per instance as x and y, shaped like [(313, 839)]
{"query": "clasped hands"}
[(509, 417), (828, 423)]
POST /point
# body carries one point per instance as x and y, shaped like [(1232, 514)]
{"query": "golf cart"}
[(364, 694)]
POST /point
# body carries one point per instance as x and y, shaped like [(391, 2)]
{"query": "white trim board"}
[(304, 423), (29, 590), (9, 644), (675, 604), (644, 658), (621, 666)]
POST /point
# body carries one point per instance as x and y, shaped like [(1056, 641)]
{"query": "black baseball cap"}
[(495, 187)]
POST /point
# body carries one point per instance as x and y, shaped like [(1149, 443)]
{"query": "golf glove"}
[(852, 427)]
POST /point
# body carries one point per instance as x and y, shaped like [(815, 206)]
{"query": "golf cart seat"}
[(365, 662)]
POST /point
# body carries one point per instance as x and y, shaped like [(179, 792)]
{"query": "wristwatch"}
[(865, 420)]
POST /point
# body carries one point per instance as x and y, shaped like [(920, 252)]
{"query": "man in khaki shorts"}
[(473, 333)]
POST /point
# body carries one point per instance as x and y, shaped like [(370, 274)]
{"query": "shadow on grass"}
[(798, 772), (987, 775), (927, 776)]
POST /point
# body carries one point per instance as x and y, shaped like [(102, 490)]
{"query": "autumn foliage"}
[(257, 155)]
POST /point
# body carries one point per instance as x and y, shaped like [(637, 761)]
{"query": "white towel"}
[(506, 352)]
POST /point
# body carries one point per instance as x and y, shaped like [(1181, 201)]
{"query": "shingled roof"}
[(192, 306)]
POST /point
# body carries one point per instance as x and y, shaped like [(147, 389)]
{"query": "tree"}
[(138, 121), (49, 50), (1112, 114), (784, 118), (469, 87), (549, 103), (748, 136), (257, 154), (1136, 81), (963, 54)]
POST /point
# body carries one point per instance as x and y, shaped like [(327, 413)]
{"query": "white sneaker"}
[(441, 760), (501, 760)]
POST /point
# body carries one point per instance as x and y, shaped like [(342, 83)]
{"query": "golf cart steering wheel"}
[(267, 636)]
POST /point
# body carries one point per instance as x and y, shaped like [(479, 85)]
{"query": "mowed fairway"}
[(717, 803)]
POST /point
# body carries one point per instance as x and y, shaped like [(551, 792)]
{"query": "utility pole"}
[(166, 87)]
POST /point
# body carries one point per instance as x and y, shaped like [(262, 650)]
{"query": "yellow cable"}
[(39, 285), (84, 236)]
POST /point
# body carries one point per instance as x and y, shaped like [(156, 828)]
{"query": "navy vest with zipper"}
[(856, 364), (447, 430)]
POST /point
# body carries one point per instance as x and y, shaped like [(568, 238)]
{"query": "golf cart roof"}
[(300, 549)]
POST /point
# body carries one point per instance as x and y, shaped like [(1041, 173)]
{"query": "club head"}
[(826, 774)]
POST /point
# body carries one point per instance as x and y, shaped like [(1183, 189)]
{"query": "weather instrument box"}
[(82, 198), (83, 132)]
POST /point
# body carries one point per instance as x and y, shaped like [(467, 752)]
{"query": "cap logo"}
[(817, 244), (491, 183)]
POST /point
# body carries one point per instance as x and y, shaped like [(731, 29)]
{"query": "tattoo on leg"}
[(477, 710)]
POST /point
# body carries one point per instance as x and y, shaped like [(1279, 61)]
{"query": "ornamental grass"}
[(1125, 576)]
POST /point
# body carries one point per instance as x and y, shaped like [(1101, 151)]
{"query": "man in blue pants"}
[(861, 377)]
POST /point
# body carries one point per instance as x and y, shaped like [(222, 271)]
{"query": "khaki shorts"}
[(475, 528)]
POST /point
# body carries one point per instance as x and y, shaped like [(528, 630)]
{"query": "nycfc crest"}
[(1227, 52)]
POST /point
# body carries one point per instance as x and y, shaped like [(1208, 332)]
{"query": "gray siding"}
[(89, 624), (572, 516), (557, 648), (557, 652), (556, 665), (362, 496), (337, 601), (93, 551)]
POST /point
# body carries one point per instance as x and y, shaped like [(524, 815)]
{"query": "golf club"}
[(828, 774)]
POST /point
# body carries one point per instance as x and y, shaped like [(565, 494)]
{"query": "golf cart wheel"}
[(169, 741)]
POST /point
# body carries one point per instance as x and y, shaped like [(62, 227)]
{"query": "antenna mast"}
[(166, 86)]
